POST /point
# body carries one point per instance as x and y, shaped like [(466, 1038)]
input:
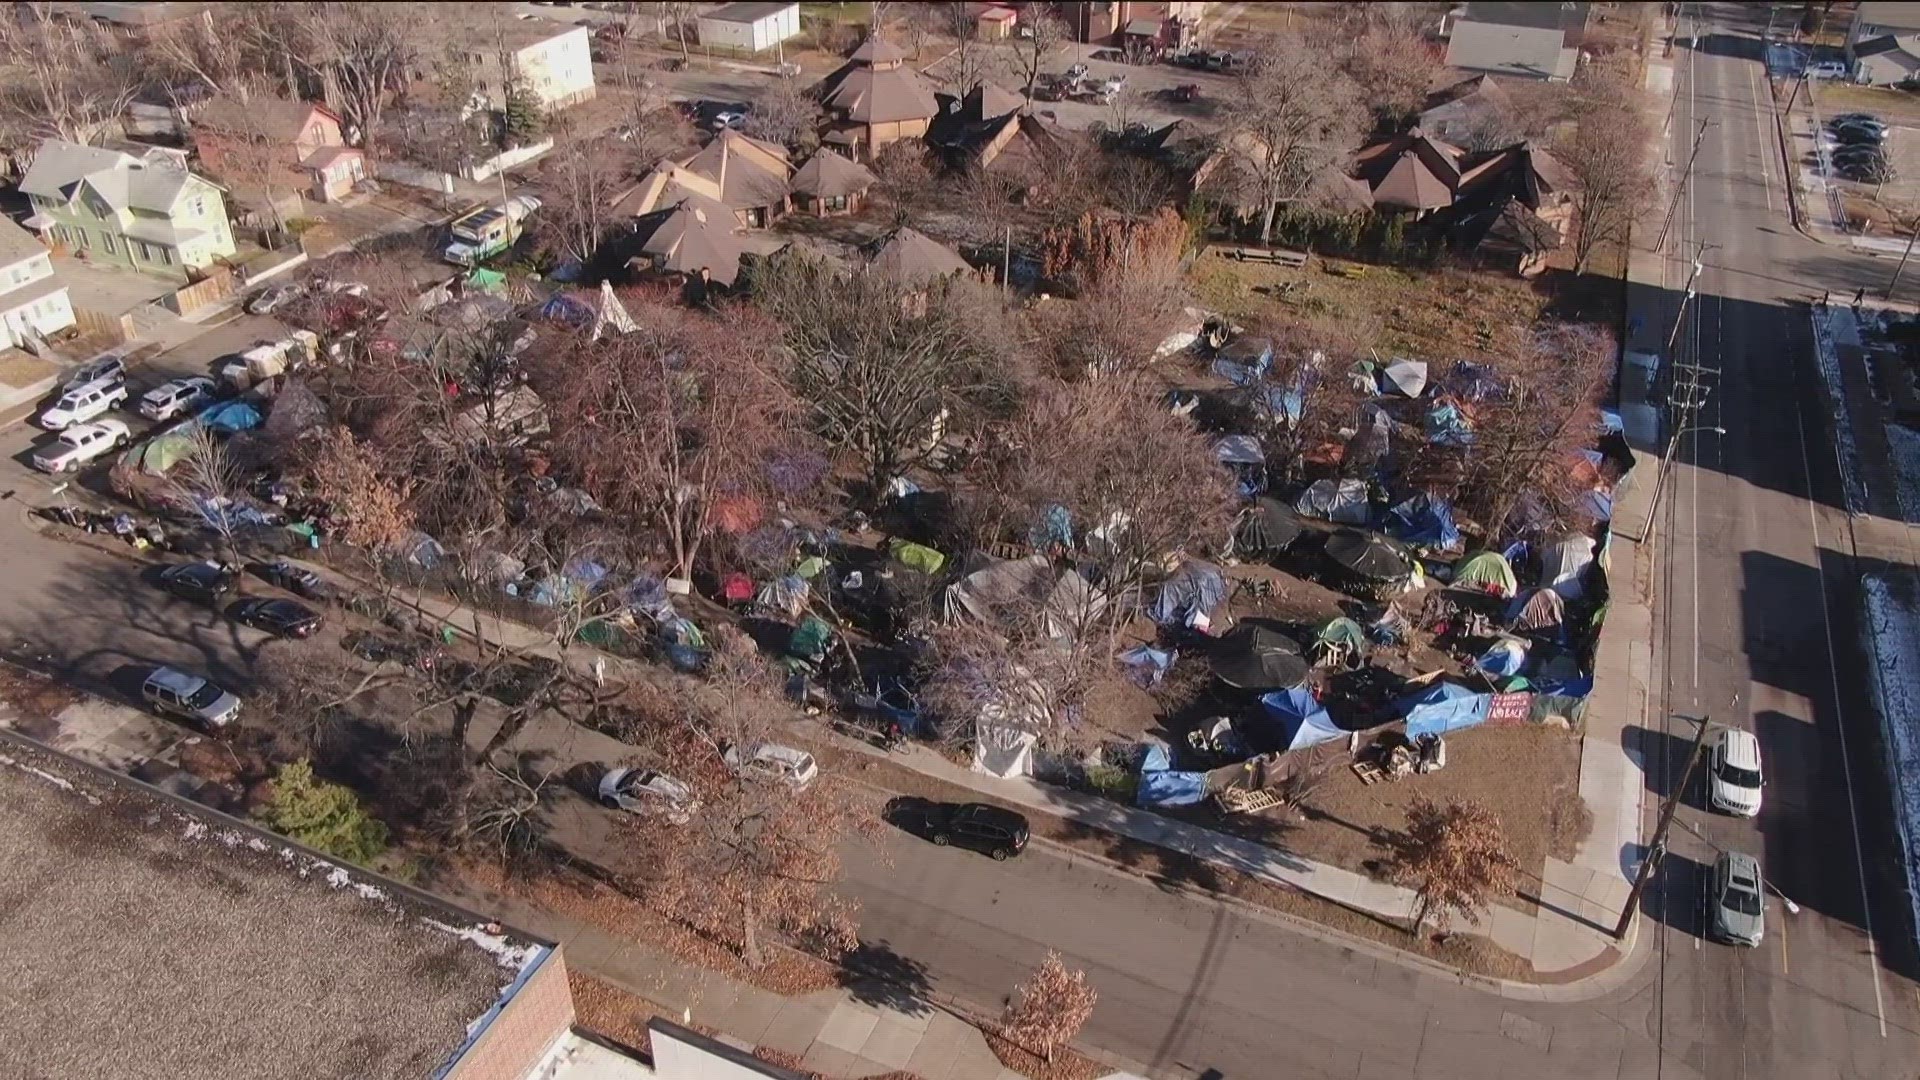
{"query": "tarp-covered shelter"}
[(165, 450), (1265, 529), (1443, 707), (1405, 377), (1161, 785), (1338, 641), (1293, 719), (1486, 572), (1473, 382), (1344, 501), (1368, 555), (1425, 520), (1563, 565), (991, 591), (1542, 610), (1244, 360), (1006, 732), (1502, 658), (1370, 443), (1244, 458), (1448, 425), (229, 417), (1256, 657), (916, 556), (1197, 588)]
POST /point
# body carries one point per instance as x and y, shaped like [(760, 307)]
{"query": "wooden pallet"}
[(1241, 801), (1369, 772)]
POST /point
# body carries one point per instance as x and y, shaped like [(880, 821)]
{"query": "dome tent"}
[(1486, 572)]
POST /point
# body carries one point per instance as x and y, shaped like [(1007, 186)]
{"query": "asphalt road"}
[(1190, 986)]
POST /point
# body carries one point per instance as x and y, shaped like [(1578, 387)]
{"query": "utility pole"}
[(1686, 177), (1895, 280), (1686, 398), (1657, 850), (1691, 290)]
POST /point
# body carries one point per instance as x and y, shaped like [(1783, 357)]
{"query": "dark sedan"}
[(297, 580), (281, 618), (197, 580), (992, 830)]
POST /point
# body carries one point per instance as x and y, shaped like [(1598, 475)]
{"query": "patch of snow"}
[(1904, 442), (512, 957), (60, 782), (1892, 615), (339, 878), (195, 830), (1827, 359)]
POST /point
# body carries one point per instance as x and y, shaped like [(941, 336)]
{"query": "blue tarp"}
[(1296, 719), (1502, 658), (566, 310), (1448, 426), (228, 417), (1054, 527), (1424, 520), (1598, 505), (1443, 708), (1160, 785), (1474, 382), (1146, 665), (1196, 587), (1280, 402), (1243, 361)]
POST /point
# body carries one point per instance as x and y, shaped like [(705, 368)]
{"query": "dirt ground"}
[(23, 369)]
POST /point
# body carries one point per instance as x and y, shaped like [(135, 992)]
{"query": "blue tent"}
[(1196, 587), (1424, 520), (1448, 426), (1294, 718), (1160, 785), (1442, 708), (1503, 658), (227, 417), (1244, 360), (567, 311)]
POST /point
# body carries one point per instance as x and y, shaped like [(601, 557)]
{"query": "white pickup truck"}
[(80, 444)]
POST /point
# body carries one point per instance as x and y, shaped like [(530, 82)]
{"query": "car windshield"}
[(1736, 776), (205, 696), (1743, 901)]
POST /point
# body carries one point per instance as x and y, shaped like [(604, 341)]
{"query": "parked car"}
[(794, 766), (197, 580), (1866, 166), (1736, 905), (1859, 120), (991, 830), (267, 300), (82, 405), (1827, 69), (297, 580), (1075, 73), (1733, 772), (176, 396), (1860, 133), (176, 693), (1847, 118), (644, 791), (80, 444), (281, 618), (102, 370), (729, 120)]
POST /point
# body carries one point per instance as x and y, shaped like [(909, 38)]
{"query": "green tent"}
[(1486, 572), (1340, 630), (810, 638), (917, 556), (163, 452)]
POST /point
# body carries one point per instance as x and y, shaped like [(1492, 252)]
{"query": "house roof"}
[(912, 257), (1891, 46), (1412, 184), (1410, 170), (693, 235), (327, 156), (122, 180), (17, 244), (828, 175), (750, 173), (1542, 16), (1479, 88), (1525, 171), (203, 945), (266, 117), (874, 87), (966, 123), (1892, 14), (746, 12), (1534, 52)]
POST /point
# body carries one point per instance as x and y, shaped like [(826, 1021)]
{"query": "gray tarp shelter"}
[(998, 589), (1344, 501)]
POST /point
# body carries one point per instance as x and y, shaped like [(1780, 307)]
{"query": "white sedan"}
[(80, 444)]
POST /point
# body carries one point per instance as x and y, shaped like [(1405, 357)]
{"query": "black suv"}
[(197, 580), (989, 829)]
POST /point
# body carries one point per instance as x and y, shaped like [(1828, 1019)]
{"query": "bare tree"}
[(785, 113), (1041, 32), (889, 370), (69, 78), (971, 56), (905, 181), (1394, 66), (1050, 1008), (676, 14), (655, 127), (578, 185), (203, 483), (501, 811), (1031, 667), (1292, 116), (1455, 857), (237, 146), (210, 51), (1613, 178), (359, 50)]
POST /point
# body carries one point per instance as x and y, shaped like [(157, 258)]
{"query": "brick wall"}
[(524, 1029)]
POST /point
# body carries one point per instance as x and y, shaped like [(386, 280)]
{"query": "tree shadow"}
[(874, 974)]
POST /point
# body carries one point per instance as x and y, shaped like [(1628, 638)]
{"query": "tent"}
[(1368, 555), (1473, 382), (567, 310), (1255, 657), (1486, 572), (1447, 425), (1344, 501), (1244, 360), (164, 451), (1265, 529), (990, 592), (1294, 719), (1146, 665), (1338, 641), (1443, 707), (1194, 590), (785, 595), (810, 639), (1425, 520), (1542, 610), (1405, 377), (1371, 441), (1243, 457), (917, 556), (1005, 732), (227, 417), (1563, 565), (1502, 658), (1161, 785)]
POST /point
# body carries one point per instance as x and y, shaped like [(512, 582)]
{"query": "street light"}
[(1660, 478)]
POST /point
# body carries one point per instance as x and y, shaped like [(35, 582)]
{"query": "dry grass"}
[(1469, 953), (34, 695), (1439, 314), (1066, 1065), (611, 1012), (24, 369)]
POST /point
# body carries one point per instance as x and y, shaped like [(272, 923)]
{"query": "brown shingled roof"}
[(827, 175)]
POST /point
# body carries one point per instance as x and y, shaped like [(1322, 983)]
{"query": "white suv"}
[(1733, 772), (170, 399), (82, 405)]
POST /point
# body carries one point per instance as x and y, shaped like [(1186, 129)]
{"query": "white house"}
[(33, 300), (555, 63), (749, 27)]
